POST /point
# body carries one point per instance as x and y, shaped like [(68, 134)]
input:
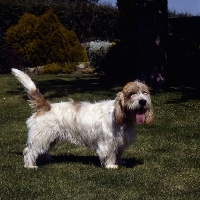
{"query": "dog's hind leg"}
[(37, 150)]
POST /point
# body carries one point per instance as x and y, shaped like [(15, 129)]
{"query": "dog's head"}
[(133, 103)]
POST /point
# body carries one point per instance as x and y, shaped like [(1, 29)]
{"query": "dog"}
[(106, 126)]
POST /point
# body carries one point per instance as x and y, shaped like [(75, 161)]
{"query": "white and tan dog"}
[(106, 127)]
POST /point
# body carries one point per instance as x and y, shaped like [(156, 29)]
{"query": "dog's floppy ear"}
[(119, 108), (149, 116)]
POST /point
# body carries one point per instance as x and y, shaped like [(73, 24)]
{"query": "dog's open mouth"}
[(140, 116)]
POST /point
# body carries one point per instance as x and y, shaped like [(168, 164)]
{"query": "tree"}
[(142, 46)]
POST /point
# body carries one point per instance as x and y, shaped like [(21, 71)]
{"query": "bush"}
[(22, 34), (69, 68), (10, 59), (55, 68), (96, 51), (44, 40)]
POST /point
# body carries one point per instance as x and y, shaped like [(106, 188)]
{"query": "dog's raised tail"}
[(36, 99)]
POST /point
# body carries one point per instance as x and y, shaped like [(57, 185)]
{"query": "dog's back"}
[(79, 123)]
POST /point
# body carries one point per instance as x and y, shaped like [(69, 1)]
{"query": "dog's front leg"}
[(107, 156)]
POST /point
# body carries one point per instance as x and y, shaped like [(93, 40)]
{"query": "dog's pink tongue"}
[(140, 116)]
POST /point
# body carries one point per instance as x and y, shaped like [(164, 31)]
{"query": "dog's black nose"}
[(142, 102)]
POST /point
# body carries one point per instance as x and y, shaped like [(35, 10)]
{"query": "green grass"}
[(162, 163)]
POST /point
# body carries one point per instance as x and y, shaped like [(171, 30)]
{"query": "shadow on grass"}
[(86, 160), (187, 93), (64, 86)]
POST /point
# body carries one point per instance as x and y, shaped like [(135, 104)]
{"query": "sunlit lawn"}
[(162, 163)]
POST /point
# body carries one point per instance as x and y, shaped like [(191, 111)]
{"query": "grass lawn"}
[(162, 163)]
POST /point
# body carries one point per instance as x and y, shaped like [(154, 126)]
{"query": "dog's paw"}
[(31, 166), (111, 166)]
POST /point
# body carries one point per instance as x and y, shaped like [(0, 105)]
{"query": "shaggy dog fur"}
[(106, 127)]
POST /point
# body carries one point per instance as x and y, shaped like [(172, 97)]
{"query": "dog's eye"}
[(132, 93), (145, 93)]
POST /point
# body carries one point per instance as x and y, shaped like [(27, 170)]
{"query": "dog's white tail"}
[(36, 98), (24, 79)]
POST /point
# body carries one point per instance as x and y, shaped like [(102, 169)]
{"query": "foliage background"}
[(131, 56), (89, 22), (43, 40)]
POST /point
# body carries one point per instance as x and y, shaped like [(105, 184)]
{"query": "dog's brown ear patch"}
[(149, 117), (119, 108)]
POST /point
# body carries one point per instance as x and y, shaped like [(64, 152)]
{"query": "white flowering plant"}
[(96, 51)]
